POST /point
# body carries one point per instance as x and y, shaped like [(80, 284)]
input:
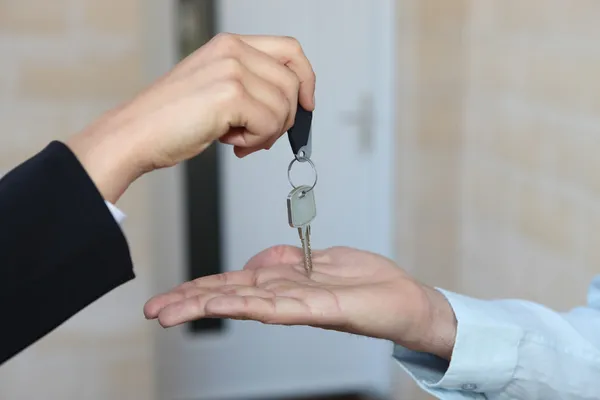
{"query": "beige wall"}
[(531, 162), (62, 63), (499, 144)]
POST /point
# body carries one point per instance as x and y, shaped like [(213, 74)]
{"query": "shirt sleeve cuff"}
[(117, 214), (485, 353)]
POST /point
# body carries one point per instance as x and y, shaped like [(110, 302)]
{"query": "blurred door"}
[(352, 143)]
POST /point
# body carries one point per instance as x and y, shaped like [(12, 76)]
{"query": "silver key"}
[(302, 210)]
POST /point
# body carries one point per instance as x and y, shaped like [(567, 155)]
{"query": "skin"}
[(349, 290), (240, 90), (244, 91)]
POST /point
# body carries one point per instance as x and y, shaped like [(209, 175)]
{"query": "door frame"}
[(167, 205)]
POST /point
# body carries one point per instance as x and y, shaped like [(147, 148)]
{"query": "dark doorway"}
[(196, 19)]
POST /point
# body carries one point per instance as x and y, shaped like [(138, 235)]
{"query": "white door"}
[(347, 41)]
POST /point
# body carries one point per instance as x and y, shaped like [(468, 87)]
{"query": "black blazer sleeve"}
[(60, 247)]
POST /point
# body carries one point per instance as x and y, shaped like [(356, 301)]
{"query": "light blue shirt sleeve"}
[(116, 213), (514, 349)]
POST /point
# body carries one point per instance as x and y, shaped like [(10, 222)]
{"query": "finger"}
[(235, 107), (153, 306), (274, 256), (289, 52), (194, 308), (264, 91), (280, 76), (242, 152), (274, 310), (261, 76)]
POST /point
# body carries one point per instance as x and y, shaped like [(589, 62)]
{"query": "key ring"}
[(301, 159)]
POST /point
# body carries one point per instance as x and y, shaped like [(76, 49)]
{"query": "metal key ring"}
[(300, 159)]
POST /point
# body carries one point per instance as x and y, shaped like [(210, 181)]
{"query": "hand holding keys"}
[(301, 205)]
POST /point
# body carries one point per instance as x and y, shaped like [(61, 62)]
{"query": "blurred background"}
[(489, 139)]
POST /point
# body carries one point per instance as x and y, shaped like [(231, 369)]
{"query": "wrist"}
[(423, 320), (109, 159), (440, 325)]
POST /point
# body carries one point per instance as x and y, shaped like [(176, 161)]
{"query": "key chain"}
[(301, 204), (300, 139), (300, 134)]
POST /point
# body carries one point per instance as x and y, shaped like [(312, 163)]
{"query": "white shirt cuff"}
[(118, 215), (485, 354)]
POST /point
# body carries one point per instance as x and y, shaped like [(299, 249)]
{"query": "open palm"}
[(349, 290)]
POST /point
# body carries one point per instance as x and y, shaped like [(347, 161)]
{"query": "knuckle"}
[(231, 89), (294, 44), (231, 68), (224, 39), (226, 43), (278, 99), (292, 80)]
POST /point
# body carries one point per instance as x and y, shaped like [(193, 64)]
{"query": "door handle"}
[(362, 120)]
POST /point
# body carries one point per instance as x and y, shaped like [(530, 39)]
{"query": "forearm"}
[(60, 247)]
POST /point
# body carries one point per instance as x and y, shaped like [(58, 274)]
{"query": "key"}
[(302, 210)]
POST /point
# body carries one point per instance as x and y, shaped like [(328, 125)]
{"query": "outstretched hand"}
[(349, 290)]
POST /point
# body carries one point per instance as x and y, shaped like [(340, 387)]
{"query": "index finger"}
[(153, 306), (288, 51)]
